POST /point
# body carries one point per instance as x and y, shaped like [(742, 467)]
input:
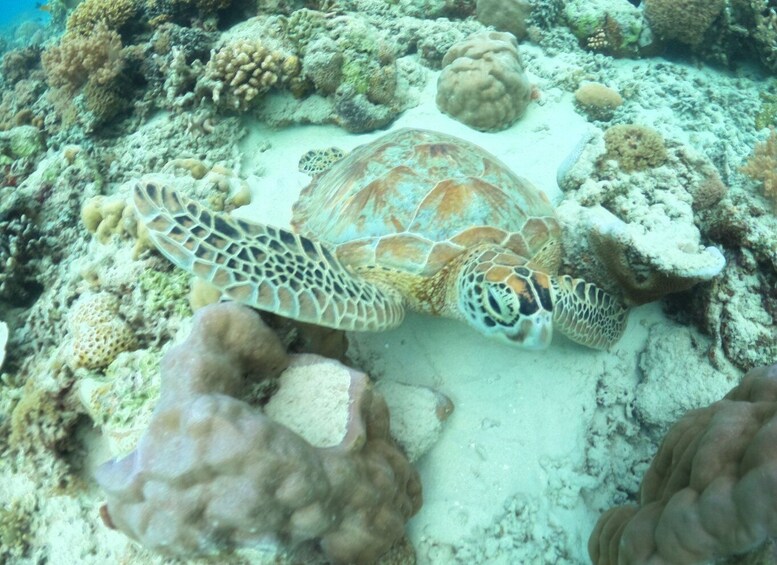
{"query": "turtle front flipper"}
[(262, 266), (587, 314)]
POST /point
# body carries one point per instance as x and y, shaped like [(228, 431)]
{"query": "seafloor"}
[(650, 126)]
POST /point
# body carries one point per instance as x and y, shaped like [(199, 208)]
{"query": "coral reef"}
[(483, 83), (242, 71), (97, 332), (685, 21), (616, 28), (635, 197), (353, 496), (511, 16), (598, 101), (708, 492), (762, 166)]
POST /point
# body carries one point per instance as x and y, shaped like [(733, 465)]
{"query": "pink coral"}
[(213, 472), (711, 490)]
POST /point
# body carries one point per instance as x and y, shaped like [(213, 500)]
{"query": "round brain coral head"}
[(709, 492), (636, 148), (483, 83)]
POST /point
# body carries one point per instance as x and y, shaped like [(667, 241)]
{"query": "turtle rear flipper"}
[(587, 314), (262, 266)]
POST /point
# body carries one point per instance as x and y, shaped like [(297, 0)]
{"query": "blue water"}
[(14, 12)]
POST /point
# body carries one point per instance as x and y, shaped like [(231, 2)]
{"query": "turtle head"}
[(509, 303)]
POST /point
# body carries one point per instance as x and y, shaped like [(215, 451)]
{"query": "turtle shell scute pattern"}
[(414, 199)]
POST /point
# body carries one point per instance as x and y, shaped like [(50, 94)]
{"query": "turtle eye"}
[(498, 304)]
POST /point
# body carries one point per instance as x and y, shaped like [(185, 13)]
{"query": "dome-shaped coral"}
[(482, 83), (98, 333)]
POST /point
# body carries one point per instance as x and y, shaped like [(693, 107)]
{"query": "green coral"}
[(767, 115), (15, 532), (165, 293), (132, 384)]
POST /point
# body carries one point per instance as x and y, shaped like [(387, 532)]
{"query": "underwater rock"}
[(638, 223)]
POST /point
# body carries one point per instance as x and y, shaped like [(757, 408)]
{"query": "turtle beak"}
[(534, 333)]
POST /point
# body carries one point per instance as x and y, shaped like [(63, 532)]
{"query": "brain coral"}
[(97, 332), (483, 83), (710, 490)]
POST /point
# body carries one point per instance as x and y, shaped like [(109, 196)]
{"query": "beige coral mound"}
[(711, 490), (482, 83), (213, 472)]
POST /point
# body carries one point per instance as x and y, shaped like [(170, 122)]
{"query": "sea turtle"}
[(415, 219)]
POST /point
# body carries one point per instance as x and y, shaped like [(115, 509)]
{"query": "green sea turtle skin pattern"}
[(269, 268), (587, 314), (316, 161)]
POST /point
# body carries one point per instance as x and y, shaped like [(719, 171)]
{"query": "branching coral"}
[(244, 70), (483, 83), (762, 166), (113, 14), (709, 492), (96, 57), (213, 472)]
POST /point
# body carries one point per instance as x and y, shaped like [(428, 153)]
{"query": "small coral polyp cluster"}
[(244, 70)]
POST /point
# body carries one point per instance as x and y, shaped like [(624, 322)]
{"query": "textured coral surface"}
[(710, 490), (213, 473), (483, 83)]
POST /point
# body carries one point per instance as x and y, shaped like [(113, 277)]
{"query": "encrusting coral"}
[(709, 492), (213, 472), (483, 83)]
